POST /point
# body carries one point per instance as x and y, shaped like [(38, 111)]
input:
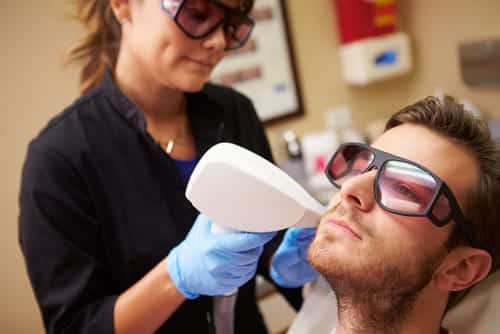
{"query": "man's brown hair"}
[(449, 118)]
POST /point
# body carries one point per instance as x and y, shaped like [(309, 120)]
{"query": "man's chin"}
[(321, 257), (352, 272), (327, 253)]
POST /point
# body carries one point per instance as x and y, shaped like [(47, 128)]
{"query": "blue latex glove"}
[(289, 267), (211, 264)]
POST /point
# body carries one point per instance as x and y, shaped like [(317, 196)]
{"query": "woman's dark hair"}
[(99, 48)]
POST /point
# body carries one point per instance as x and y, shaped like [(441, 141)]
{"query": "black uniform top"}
[(101, 204)]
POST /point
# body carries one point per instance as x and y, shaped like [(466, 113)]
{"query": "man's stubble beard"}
[(378, 294)]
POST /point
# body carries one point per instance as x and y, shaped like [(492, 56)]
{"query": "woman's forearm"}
[(145, 306)]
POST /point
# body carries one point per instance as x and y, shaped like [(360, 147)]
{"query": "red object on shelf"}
[(319, 163), (360, 19)]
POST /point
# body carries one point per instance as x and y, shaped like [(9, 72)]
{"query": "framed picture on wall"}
[(264, 68)]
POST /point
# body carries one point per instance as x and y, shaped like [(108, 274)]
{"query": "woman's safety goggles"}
[(401, 186), (199, 18)]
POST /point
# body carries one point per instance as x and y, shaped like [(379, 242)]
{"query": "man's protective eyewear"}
[(199, 18), (401, 186)]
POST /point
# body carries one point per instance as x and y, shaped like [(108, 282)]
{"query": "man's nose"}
[(216, 41), (358, 191)]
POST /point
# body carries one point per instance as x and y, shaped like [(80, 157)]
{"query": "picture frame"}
[(264, 69)]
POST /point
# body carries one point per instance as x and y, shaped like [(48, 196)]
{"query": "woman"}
[(102, 197)]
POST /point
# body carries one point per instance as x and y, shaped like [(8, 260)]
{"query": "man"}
[(413, 226)]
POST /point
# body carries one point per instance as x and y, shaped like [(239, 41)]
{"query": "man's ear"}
[(462, 268), (121, 10)]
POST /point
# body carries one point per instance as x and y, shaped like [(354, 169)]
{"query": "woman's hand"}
[(207, 263), (289, 267)]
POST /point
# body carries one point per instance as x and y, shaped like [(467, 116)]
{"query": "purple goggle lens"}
[(199, 18)]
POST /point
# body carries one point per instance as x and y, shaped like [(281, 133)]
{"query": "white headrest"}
[(479, 312)]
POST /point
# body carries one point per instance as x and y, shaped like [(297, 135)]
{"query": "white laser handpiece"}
[(240, 190)]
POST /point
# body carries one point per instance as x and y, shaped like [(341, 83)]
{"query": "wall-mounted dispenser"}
[(372, 48)]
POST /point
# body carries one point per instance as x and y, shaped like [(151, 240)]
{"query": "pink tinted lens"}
[(442, 208), (349, 162), (237, 31), (198, 17), (405, 187)]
